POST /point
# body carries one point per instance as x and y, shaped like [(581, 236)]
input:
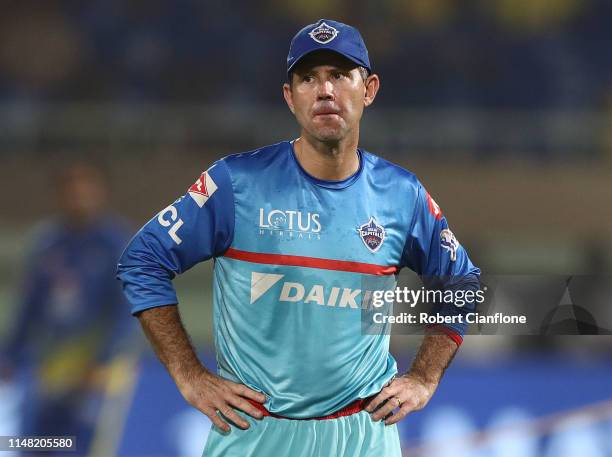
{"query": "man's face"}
[(327, 94), (81, 194)]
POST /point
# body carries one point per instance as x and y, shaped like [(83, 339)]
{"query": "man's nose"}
[(325, 90)]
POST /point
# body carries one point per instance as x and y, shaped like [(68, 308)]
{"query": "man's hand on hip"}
[(210, 393), (405, 393), (202, 389), (413, 390)]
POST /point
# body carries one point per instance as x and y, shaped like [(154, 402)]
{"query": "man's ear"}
[(372, 84), (288, 96)]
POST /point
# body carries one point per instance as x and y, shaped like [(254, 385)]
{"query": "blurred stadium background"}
[(503, 108)]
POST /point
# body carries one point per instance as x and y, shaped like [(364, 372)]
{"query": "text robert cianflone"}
[(431, 319), (412, 297)]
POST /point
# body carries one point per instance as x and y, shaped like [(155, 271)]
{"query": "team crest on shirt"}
[(450, 243), (372, 234), (323, 33)]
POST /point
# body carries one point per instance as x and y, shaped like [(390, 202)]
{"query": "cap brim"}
[(346, 56)]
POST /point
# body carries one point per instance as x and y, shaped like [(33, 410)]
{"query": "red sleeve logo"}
[(202, 189), (200, 186), (434, 208)]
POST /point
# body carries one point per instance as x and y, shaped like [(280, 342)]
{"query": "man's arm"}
[(433, 252), (202, 389), (413, 390), (195, 228)]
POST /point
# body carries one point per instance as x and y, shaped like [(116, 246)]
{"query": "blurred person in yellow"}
[(70, 323)]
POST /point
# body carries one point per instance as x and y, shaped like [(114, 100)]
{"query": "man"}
[(294, 229), (70, 325)]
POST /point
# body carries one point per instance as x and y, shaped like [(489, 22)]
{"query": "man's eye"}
[(339, 75), (307, 78)]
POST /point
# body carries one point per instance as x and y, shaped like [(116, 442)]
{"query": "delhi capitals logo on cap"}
[(372, 234), (323, 33)]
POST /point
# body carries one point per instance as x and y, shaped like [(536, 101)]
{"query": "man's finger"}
[(380, 398), (244, 391), (243, 405), (231, 415), (216, 420), (385, 409), (408, 406), (398, 416)]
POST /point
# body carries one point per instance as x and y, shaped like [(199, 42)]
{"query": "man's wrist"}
[(182, 373), (430, 383)]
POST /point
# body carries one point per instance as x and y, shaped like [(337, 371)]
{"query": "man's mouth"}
[(326, 112)]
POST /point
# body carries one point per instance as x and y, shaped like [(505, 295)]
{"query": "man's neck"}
[(327, 161)]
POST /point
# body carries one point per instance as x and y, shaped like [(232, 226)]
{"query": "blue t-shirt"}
[(291, 255)]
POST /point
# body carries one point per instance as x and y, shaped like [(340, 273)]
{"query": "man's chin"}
[(329, 135)]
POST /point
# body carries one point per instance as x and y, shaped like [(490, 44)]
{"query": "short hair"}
[(364, 73)]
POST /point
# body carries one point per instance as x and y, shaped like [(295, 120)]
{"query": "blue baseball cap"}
[(330, 35)]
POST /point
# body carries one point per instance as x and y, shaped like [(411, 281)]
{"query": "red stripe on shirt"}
[(310, 262)]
